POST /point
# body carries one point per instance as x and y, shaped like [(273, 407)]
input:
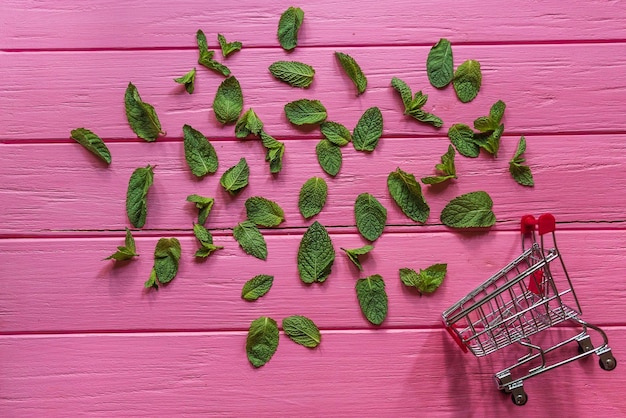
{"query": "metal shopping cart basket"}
[(531, 294)]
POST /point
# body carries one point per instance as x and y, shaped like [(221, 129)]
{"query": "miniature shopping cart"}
[(529, 295)]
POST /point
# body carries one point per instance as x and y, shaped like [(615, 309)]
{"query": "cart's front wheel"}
[(608, 363), (519, 398)]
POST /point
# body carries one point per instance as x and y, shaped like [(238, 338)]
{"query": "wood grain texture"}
[(31, 24), (574, 181), (351, 374), (547, 88), (62, 285)]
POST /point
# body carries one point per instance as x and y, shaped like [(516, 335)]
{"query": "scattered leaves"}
[(302, 330), (521, 172), (470, 210), (407, 193), (126, 251), (316, 254), (427, 280), (92, 143), (446, 168), (136, 195), (372, 297), (250, 239), (352, 68), (370, 216), (257, 287), (353, 254), (228, 102), (236, 177), (141, 116), (262, 341), (264, 212), (294, 73), (312, 197), (368, 130)]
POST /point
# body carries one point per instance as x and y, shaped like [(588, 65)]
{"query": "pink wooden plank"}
[(51, 188), (59, 285), (351, 374), (141, 24), (48, 94)]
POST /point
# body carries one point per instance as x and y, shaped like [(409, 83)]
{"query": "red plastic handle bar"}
[(546, 223), (456, 339), (528, 224)]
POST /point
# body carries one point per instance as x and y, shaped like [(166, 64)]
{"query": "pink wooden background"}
[(79, 336)]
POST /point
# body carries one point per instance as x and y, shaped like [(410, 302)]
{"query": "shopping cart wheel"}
[(608, 363), (519, 396)]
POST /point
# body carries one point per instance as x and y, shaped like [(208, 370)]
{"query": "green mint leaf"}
[(262, 341), (316, 254), (405, 91), (206, 241), (368, 130), (418, 101), (352, 68), (204, 204), (141, 116), (470, 210), (439, 64), (236, 178), (294, 73), (127, 251), (228, 102), (136, 204), (264, 212), (166, 257), (257, 287), (370, 216), (312, 197), (92, 142), (199, 153), (353, 254), (228, 47), (274, 152), (447, 168), (205, 57), (305, 112), (467, 80), (288, 27), (336, 133), (490, 123), (250, 239), (248, 123), (372, 298), (462, 137), (520, 172), (302, 331), (329, 156), (151, 283), (188, 80), (407, 193), (429, 118), (427, 280), (490, 141), (497, 111), (207, 250)]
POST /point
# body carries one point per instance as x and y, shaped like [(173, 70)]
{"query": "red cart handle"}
[(528, 224), (546, 223), (456, 338)]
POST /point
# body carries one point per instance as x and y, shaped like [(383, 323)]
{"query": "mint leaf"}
[(188, 80), (521, 172), (316, 254), (236, 177), (404, 90), (205, 57), (262, 341), (429, 118), (407, 193), (199, 153), (305, 112), (127, 251), (136, 204), (92, 143), (372, 298), (228, 47), (368, 130), (370, 216), (151, 283), (274, 152), (462, 137), (264, 212), (257, 287), (248, 123), (288, 27), (467, 80), (336, 133), (228, 102), (206, 241), (204, 204), (471, 210), (413, 105), (352, 68), (439, 64), (492, 122), (353, 254), (302, 331), (166, 256), (446, 167), (427, 280), (294, 73), (250, 239), (312, 197), (141, 116), (329, 156), (490, 141)]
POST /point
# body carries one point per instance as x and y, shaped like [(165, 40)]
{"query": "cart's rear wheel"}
[(519, 398), (608, 363)]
